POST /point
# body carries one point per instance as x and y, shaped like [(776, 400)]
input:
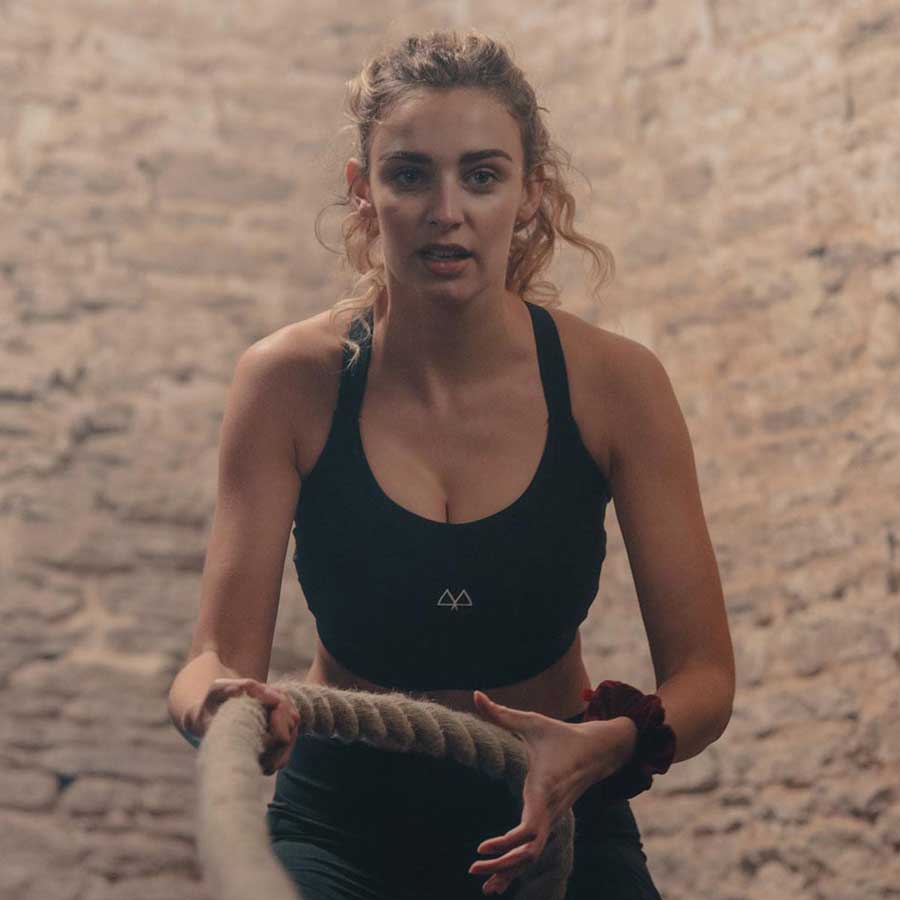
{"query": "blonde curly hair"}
[(443, 60)]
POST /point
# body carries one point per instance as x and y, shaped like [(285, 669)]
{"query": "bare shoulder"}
[(302, 362), (602, 354), (636, 395), (610, 376), (307, 343)]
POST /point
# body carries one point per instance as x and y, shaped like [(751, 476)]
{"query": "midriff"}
[(555, 692)]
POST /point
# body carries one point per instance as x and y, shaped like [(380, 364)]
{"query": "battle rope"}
[(234, 845)]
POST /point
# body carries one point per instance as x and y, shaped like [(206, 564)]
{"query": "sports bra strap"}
[(551, 362), (353, 380)]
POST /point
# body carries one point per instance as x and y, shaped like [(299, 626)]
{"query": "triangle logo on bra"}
[(462, 599)]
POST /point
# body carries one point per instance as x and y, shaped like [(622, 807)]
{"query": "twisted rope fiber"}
[(233, 842)]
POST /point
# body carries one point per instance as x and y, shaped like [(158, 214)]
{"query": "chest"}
[(474, 460), (461, 466), (435, 602), (481, 455)]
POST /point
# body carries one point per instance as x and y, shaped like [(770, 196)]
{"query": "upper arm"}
[(656, 495), (258, 487)]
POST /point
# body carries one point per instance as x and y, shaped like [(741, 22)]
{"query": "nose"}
[(446, 208)]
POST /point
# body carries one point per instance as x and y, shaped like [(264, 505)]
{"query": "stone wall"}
[(161, 166)]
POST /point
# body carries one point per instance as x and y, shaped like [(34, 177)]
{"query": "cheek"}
[(499, 227), (396, 216), (498, 236)]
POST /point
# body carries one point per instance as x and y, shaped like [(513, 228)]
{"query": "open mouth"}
[(445, 263), (444, 255)]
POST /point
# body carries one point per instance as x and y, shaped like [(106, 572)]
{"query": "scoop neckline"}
[(389, 501), (519, 501)]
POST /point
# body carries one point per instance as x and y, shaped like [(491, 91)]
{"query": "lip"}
[(439, 246), (444, 266)]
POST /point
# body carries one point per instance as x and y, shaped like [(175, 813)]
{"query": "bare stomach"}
[(555, 692)]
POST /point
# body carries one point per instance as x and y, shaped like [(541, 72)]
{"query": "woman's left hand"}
[(564, 760)]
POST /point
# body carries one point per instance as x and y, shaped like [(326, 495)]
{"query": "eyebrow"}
[(471, 156)]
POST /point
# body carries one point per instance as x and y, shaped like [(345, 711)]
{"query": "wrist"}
[(613, 744), (651, 744), (629, 737)]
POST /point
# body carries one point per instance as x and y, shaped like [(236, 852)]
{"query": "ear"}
[(357, 184), (534, 192)]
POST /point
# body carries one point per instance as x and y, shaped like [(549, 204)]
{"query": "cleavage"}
[(459, 468)]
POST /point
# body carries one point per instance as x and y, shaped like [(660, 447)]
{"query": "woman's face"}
[(446, 167)]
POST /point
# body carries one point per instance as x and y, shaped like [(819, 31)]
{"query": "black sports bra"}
[(408, 602)]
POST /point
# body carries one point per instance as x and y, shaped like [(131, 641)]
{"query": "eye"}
[(400, 176), (486, 172)]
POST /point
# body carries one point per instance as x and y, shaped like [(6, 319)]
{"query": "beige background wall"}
[(161, 165)]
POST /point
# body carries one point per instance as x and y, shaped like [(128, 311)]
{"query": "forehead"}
[(444, 124)]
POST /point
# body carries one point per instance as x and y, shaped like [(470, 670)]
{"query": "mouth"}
[(455, 253), (444, 265)]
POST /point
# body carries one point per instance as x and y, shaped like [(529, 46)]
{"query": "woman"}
[(457, 447)]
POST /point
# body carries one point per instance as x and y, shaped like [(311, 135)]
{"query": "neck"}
[(437, 354)]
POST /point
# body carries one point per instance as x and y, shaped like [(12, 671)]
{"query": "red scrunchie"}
[(655, 744)]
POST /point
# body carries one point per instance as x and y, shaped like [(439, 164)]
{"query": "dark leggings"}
[(352, 822)]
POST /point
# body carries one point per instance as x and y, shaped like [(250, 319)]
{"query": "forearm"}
[(189, 689), (698, 706)]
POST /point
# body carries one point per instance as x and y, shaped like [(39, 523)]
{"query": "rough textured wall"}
[(161, 166)]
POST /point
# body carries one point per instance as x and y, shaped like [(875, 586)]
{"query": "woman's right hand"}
[(281, 716)]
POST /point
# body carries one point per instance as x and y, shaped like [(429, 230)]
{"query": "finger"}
[(513, 859), (279, 739), (517, 835), (276, 758), (508, 717), (289, 712), (222, 692), (262, 692), (497, 884), (282, 724), (235, 686)]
